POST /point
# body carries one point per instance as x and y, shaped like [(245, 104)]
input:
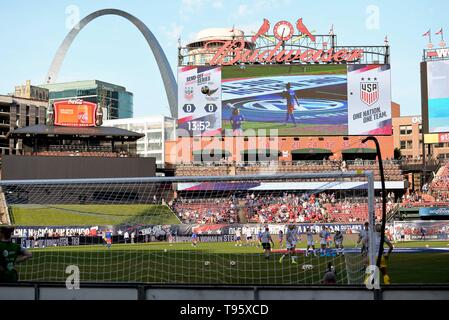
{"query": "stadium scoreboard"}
[(295, 100)]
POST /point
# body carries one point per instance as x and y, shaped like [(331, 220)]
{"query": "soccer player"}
[(194, 239), (259, 237), (363, 238), (249, 237), (236, 122), (323, 240), (10, 255), (267, 242), (281, 239), (385, 257), (291, 239), (310, 242), (328, 238), (238, 237), (108, 238), (338, 240), (290, 95)]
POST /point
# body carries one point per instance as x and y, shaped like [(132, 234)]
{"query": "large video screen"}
[(438, 96), (293, 100), (308, 100), (75, 113)]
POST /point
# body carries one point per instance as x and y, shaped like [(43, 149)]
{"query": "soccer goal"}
[(196, 230)]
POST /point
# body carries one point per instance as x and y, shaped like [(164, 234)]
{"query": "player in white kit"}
[(267, 242), (338, 240), (310, 242), (323, 240), (290, 241)]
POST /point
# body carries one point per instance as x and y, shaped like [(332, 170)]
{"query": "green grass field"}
[(290, 129), (235, 72), (90, 215), (184, 264)]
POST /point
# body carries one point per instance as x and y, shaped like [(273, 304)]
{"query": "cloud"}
[(194, 7), (242, 10), (172, 33), (257, 6)]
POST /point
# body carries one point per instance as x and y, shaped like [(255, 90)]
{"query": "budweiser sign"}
[(236, 51)]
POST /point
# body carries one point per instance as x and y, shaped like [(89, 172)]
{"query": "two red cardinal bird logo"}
[(299, 25)]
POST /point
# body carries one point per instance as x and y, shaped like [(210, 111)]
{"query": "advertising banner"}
[(434, 213), (438, 96), (419, 230), (199, 101), (75, 113), (369, 100)]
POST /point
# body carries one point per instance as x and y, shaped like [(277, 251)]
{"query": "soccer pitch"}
[(91, 215), (237, 72), (212, 263)]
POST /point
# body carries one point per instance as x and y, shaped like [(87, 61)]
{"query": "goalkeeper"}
[(10, 255)]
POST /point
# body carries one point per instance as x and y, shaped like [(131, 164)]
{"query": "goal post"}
[(194, 230)]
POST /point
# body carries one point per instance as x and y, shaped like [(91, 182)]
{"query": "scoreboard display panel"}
[(199, 101), (435, 91), (290, 100)]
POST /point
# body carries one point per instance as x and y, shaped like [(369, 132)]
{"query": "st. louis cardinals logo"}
[(283, 30), (369, 91)]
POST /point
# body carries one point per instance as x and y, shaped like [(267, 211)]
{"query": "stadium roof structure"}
[(44, 130), (359, 150), (312, 151)]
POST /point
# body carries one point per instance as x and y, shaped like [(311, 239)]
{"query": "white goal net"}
[(195, 230)]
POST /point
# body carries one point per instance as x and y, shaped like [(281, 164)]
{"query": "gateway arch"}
[(168, 78)]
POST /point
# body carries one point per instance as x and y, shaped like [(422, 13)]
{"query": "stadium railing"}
[(88, 291)]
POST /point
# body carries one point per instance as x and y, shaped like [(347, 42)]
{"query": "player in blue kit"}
[(194, 239), (236, 122), (290, 95), (108, 238)]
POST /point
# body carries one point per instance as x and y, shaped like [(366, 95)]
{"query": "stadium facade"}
[(157, 131), (115, 100), (27, 106), (323, 141)]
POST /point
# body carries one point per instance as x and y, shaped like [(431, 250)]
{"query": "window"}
[(409, 144), (404, 130), (420, 128), (403, 145)]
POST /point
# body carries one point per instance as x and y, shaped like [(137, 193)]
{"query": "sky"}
[(111, 49)]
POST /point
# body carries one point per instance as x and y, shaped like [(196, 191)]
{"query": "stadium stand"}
[(441, 181), (288, 208)]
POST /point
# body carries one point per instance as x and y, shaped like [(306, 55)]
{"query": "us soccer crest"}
[(369, 91), (188, 93)]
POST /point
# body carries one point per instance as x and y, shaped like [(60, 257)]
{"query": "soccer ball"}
[(165, 250), (206, 263), (205, 90), (232, 263), (427, 246), (307, 267)]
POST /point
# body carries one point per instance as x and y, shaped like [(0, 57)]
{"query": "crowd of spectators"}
[(275, 208)]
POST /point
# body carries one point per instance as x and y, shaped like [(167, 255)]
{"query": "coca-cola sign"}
[(235, 51)]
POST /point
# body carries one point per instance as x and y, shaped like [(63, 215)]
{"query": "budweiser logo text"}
[(234, 51)]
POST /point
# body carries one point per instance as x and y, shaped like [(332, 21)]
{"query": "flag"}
[(439, 32), (426, 34)]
